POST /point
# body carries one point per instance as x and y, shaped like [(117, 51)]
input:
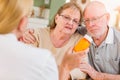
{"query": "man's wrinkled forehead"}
[(94, 7)]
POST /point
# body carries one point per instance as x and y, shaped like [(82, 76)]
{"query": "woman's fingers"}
[(82, 53), (28, 36)]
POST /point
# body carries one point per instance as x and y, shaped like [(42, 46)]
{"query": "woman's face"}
[(67, 22)]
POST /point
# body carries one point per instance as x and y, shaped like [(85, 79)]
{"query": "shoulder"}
[(38, 52), (77, 36), (42, 30), (38, 56), (43, 61), (46, 61), (116, 34)]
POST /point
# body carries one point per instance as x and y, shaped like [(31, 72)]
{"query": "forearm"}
[(63, 73), (105, 76), (110, 76)]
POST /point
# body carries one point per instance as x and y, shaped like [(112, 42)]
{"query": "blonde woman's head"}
[(11, 12)]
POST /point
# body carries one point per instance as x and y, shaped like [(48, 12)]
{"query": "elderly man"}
[(104, 54), (19, 61)]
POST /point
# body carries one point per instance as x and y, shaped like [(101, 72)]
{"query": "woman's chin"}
[(67, 31)]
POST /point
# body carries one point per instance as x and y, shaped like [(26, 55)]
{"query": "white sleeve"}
[(51, 69)]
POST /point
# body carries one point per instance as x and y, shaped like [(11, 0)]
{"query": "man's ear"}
[(108, 17), (23, 23)]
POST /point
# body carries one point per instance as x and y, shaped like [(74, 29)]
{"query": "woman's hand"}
[(73, 59), (70, 61), (28, 36)]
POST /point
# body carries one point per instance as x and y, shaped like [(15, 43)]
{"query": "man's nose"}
[(91, 22)]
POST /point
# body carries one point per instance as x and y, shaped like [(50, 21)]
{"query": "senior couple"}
[(22, 61)]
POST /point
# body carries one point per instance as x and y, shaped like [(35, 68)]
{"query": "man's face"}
[(96, 21)]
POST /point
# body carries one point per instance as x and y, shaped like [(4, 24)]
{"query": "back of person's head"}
[(71, 5), (11, 12)]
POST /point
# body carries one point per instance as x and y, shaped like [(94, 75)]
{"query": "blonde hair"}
[(11, 12)]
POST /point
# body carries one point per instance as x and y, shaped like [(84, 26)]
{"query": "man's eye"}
[(86, 20)]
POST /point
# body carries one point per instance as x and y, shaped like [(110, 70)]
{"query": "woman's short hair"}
[(62, 8)]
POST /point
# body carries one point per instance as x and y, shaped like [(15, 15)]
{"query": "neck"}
[(100, 39), (59, 39), (17, 33)]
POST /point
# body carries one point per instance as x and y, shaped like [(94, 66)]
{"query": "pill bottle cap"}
[(88, 38)]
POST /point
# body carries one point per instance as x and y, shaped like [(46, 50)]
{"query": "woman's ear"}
[(56, 18), (23, 24)]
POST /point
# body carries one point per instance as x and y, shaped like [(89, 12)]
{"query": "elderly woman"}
[(60, 35)]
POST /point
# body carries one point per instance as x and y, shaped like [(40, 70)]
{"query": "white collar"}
[(110, 36)]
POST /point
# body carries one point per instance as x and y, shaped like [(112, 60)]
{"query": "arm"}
[(51, 70), (85, 67), (63, 72), (107, 76), (70, 61)]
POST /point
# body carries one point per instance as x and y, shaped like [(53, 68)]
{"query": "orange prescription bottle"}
[(83, 43)]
